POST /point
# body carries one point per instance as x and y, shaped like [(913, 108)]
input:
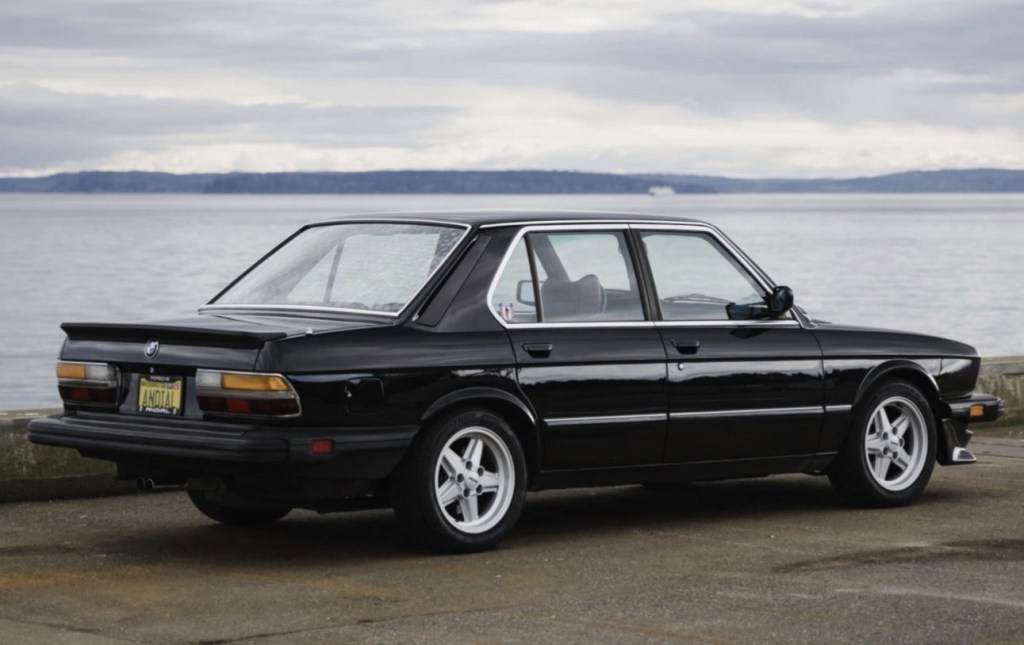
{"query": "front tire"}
[(462, 486), (889, 452), (234, 515)]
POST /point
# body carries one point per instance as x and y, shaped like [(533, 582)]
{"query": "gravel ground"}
[(780, 559)]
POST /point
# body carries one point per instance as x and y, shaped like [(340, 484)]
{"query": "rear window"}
[(371, 267)]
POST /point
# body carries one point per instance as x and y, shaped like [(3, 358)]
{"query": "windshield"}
[(373, 267)]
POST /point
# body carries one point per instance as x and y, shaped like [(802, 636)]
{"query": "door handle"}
[(686, 346), (538, 350)]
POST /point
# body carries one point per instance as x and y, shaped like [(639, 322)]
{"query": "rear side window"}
[(579, 276), (514, 298)]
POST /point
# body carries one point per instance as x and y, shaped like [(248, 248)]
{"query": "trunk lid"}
[(172, 350), (224, 342)]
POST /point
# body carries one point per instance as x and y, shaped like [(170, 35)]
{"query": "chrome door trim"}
[(750, 412), (611, 418)]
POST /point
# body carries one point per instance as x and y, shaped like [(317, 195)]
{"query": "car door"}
[(742, 384), (588, 358)]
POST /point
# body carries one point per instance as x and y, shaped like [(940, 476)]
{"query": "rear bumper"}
[(169, 442)]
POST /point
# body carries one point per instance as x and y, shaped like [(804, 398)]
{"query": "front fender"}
[(907, 370)]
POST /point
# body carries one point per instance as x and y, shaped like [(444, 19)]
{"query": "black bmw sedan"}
[(444, 364)]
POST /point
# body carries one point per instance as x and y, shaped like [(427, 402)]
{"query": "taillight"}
[(87, 383), (245, 393)]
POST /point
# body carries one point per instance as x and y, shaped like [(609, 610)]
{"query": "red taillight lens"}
[(87, 394), (246, 393)]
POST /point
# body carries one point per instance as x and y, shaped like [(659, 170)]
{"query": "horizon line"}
[(513, 170)]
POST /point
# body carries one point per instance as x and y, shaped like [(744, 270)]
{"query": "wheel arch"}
[(510, 407), (914, 374)]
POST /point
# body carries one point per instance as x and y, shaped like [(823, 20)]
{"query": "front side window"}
[(696, 279), (580, 276), (372, 267)]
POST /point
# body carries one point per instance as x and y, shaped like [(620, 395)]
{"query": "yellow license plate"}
[(160, 394)]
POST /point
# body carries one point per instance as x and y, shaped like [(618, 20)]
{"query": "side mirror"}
[(780, 301), (524, 292)]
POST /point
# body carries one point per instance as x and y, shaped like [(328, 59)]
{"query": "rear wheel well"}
[(520, 423)]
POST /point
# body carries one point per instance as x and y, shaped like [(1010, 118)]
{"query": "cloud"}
[(56, 129), (777, 87)]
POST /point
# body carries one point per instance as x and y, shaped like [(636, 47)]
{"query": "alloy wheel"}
[(474, 480), (896, 445)]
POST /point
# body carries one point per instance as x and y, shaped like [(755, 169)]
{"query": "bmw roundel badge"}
[(152, 347)]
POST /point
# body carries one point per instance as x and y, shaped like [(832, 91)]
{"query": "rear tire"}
[(234, 515), (461, 488), (889, 451)]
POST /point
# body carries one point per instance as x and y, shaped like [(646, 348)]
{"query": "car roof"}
[(513, 217)]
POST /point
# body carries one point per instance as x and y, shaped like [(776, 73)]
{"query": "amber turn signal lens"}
[(977, 411), (254, 382), (75, 371)]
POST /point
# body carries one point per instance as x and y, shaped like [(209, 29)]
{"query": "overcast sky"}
[(748, 88)]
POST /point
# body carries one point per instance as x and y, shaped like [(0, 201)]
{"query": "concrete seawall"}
[(28, 471), (1004, 377)]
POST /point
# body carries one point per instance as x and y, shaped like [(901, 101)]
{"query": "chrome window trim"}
[(642, 225), (242, 309), (577, 325), (555, 226), (472, 215), (390, 219), (466, 228), (772, 322), (749, 412), (630, 218), (659, 324), (611, 418)]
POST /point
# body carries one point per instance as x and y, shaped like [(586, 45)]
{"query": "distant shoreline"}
[(504, 182)]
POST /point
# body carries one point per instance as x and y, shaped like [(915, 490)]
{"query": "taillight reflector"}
[(321, 447)]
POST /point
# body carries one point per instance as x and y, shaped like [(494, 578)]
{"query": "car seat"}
[(583, 299)]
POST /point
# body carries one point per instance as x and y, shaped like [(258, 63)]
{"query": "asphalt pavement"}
[(780, 559)]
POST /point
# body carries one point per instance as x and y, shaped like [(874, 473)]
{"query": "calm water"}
[(951, 265)]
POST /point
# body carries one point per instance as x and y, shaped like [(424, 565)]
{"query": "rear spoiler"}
[(142, 333)]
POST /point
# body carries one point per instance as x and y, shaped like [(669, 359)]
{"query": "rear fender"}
[(517, 412)]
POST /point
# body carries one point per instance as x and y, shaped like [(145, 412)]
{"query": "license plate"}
[(160, 394)]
